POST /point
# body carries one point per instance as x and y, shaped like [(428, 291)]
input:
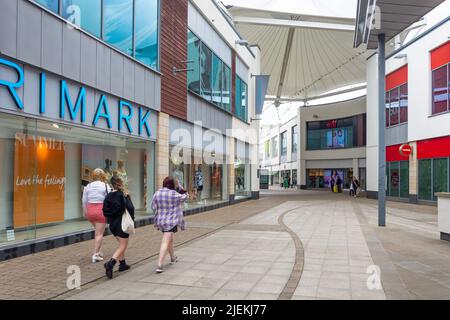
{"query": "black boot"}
[(109, 266), (123, 266)]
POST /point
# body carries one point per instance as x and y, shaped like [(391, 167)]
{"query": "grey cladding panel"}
[(211, 116), (103, 67), (88, 60), (52, 38), (157, 105), (8, 28), (29, 33), (116, 73), (71, 54), (397, 135), (149, 89), (139, 84), (128, 78)]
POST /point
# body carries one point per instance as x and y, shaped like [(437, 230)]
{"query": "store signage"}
[(405, 150), (81, 110), (332, 124)]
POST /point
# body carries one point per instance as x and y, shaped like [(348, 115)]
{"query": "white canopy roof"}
[(307, 49)]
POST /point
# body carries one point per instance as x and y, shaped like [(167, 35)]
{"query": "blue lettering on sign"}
[(66, 100), (123, 117), (143, 122), (13, 86), (102, 105), (42, 93)]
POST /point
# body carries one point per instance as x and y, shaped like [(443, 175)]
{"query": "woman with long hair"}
[(166, 204), (93, 196), (113, 208)]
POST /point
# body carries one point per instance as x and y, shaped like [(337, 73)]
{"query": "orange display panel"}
[(39, 180)]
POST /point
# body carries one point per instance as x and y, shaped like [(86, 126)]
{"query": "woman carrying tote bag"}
[(116, 208)]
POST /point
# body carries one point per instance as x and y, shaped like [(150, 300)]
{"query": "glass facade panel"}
[(146, 32), (425, 179), (205, 72), (193, 77), (226, 88), (440, 176), (294, 138), (237, 98), (284, 143), (387, 107), (46, 169), (404, 103), (394, 179), (440, 90), (243, 115), (118, 24), (274, 147), (217, 80), (84, 13), (52, 5), (394, 107)]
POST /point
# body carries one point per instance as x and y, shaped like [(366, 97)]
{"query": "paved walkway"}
[(287, 245)]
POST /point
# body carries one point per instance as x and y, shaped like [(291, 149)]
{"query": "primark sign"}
[(29, 91)]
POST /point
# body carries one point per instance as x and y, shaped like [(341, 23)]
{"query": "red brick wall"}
[(173, 39)]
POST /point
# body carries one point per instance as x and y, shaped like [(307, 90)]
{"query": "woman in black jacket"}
[(113, 208)]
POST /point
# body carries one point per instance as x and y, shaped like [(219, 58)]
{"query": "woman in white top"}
[(93, 196)]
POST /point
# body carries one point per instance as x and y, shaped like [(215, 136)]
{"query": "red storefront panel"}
[(440, 56), (397, 78), (393, 154), (433, 148)]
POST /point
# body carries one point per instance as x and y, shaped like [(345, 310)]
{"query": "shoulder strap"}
[(106, 188)]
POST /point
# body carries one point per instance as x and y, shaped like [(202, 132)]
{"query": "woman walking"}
[(93, 196), (166, 204), (113, 208)]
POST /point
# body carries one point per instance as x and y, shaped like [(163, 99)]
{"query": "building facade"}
[(320, 142), (417, 118), (118, 85)]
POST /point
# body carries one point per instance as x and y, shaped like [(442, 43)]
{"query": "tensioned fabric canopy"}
[(305, 55)]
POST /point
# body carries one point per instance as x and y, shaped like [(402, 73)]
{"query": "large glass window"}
[(146, 32), (441, 81), (404, 103), (433, 177), (284, 143), (226, 87), (267, 149), (52, 5), (404, 179), (425, 179), (205, 72), (193, 76), (118, 24), (237, 97), (241, 99), (45, 170), (217, 80), (440, 176), (394, 107), (294, 138), (274, 147), (84, 13), (397, 105)]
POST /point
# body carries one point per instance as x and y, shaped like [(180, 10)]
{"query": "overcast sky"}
[(334, 8)]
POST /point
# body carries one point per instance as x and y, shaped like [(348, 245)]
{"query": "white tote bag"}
[(127, 223)]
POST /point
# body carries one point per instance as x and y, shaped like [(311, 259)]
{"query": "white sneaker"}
[(96, 258)]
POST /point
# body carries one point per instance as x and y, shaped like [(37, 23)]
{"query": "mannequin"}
[(198, 183), (108, 170)]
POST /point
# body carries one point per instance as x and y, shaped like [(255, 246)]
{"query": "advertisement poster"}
[(336, 138), (39, 180)]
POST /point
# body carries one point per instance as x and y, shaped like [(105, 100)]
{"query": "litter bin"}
[(444, 215)]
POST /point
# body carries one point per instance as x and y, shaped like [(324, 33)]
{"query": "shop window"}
[(394, 179), (146, 32), (394, 107), (205, 72), (84, 13), (118, 24), (284, 143), (425, 177), (294, 138), (404, 179), (274, 147), (52, 5), (193, 76), (397, 105), (243, 101), (387, 102), (216, 80), (267, 149), (440, 176), (404, 103), (440, 87)]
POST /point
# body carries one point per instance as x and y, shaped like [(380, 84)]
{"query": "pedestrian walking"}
[(339, 184), (166, 204), (115, 206), (93, 196), (286, 182), (332, 184), (352, 188), (356, 186)]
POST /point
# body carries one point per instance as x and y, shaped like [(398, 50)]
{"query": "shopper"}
[(93, 196), (352, 188), (356, 186), (166, 204), (339, 184), (116, 202), (332, 184)]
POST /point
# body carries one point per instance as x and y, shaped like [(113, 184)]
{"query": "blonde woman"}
[(93, 196)]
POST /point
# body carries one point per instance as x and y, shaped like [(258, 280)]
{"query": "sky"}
[(333, 8)]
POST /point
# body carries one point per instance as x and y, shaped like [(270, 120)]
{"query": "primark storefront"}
[(74, 97)]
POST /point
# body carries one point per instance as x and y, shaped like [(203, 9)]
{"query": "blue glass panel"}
[(84, 13), (238, 97), (226, 87), (217, 80), (146, 32), (243, 101), (50, 4), (193, 77), (118, 24), (205, 72)]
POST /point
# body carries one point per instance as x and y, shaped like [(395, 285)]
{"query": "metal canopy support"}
[(381, 130), (287, 54)]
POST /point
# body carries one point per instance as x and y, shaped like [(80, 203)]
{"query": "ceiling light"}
[(55, 125)]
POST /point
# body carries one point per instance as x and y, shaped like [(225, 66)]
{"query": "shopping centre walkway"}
[(287, 245)]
